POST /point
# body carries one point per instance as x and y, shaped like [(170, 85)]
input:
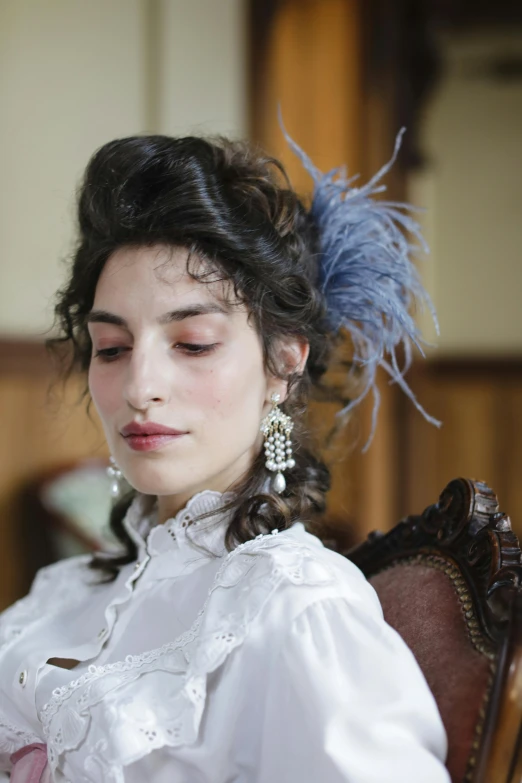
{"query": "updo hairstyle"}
[(232, 207)]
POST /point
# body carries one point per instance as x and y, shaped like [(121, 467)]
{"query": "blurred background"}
[(348, 74)]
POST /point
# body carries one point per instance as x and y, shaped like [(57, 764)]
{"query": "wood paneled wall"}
[(313, 58), (308, 59), (42, 426), (480, 405)]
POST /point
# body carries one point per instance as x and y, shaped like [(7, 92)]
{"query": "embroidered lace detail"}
[(166, 709), (141, 519), (201, 503), (13, 738)]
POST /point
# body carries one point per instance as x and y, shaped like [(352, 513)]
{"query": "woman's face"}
[(168, 350)]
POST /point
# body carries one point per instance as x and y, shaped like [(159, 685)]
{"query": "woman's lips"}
[(151, 442)]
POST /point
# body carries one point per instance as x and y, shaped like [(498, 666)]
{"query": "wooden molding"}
[(24, 356), (468, 365)]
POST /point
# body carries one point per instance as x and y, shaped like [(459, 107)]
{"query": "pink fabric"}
[(30, 765)]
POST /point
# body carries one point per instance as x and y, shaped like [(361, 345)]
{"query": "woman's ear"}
[(292, 356)]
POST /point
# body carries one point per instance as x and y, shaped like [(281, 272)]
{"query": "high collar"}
[(186, 530)]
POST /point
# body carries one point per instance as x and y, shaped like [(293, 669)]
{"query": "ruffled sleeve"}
[(347, 703), (53, 588), (51, 582)]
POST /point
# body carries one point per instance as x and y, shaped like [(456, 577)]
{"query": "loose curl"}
[(234, 208)]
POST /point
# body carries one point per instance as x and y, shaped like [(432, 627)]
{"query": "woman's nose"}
[(146, 383)]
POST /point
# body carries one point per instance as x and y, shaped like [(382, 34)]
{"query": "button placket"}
[(139, 568)]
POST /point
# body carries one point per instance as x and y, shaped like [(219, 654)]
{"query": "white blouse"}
[(268, 664)]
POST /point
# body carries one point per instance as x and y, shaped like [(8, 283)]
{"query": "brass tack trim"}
[(474, 634)]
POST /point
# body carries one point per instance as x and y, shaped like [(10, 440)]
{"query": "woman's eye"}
[(109, 354), (196, 349), (192, 349)]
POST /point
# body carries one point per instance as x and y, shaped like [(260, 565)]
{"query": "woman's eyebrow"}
[(102, 316)]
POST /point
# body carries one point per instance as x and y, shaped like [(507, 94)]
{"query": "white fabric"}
[(269, 664)]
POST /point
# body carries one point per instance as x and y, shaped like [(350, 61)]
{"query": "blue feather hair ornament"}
[(366, 275)]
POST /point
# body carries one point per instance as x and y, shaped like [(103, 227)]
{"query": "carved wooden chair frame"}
[(467, 537)]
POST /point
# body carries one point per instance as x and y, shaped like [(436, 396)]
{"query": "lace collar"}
[(186, 529)]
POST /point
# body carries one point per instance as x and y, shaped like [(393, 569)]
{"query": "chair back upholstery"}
[(449, 582)]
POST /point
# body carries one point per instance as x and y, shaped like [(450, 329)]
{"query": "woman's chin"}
[(164, 485)]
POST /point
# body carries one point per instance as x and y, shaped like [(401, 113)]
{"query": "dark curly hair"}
[(232, 206)]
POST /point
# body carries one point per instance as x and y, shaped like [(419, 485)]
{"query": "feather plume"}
[(366, 274)]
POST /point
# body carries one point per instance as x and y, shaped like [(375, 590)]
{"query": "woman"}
[(225, 643)]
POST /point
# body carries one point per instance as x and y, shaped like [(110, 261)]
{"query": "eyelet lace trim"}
[(170, 711), (12, 738), (140, 520)]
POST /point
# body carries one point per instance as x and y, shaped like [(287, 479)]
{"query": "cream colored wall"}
[(202, 88), (76, 74), (472, 190)]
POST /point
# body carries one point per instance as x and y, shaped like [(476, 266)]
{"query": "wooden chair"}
[(450, 582)]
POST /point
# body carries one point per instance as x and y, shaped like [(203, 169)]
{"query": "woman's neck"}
[(170, 505)]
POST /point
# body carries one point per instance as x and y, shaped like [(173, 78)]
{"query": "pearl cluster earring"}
[(276, 427), (116, 476)]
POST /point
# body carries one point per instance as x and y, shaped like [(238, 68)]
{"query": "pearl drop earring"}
[(276, 427), (116, 476)]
